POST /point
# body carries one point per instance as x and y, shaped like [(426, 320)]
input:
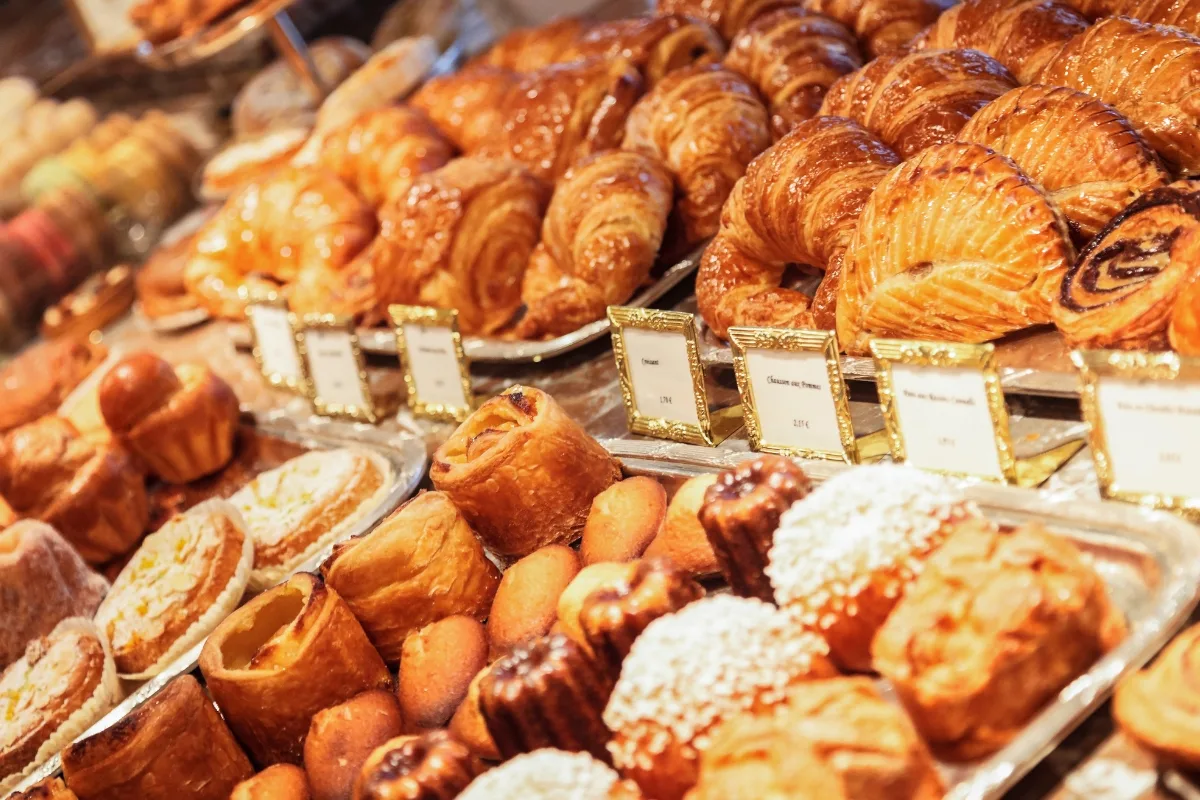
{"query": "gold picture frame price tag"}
[(1143, 415), (436, 371), (276, 343), (662, 378), (794, 396), (336, 368), (945, 412)]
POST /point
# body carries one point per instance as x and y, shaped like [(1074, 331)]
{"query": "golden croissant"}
[(1148, 72), (728, 17), (798, 204), (792, 57), (1184, 14), (530, 49), (656, 45), (600, 238), (920, 99), (884, 26), (956, 245), (705, 124), (466, 106)]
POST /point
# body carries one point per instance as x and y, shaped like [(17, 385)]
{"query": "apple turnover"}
[(183, 580), (295, 510)]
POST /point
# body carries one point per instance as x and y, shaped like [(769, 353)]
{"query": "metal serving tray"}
[(1149, 559), (404, 452)]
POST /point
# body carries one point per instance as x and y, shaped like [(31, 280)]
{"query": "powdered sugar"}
[(545, 775)]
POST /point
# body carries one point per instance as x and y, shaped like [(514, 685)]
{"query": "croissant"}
[(883, 26), (918, 100), (530, 49), (792, 57), (463, 236), (1148, 73), (599, 240), (1125, 288), (1184, 14), (656, 45), (1021, 34), (798, 203), (466, 106), (705, 124), (1085, 155), (956, 244)]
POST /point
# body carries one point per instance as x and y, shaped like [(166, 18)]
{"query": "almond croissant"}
[(798, 203), (918, 100), (792, 57), (600, 238), (884, 26), (1183, 14), (957, 245)]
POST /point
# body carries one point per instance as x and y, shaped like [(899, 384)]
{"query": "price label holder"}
[(436, 371), (336, 368), (794, 396), (662, 378), (945, 412), (1143, 412), (277, 345)]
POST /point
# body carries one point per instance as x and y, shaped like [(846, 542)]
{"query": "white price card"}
[(273, 329), (336, 369), (661, 375), (435, 367)]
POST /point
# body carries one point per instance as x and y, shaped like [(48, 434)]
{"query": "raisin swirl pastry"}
[(433, 766), (1125, 287), (547, 693), (740, 514)]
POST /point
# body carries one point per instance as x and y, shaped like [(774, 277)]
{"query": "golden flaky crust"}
[(758, 756), (792, 57), (1127, 285), (463, 235), (1159, 707), (600, 239), (706, 124), (1082, 152), (1147, 72), (280, 782), (421, 564), (522, 472), (53, 789), (1021, 34), (281, 658), (798, 204), (957, 244), (727, 17), (882, 25), (1183, 14), (529, 49), (434, 766), (466, 106), (916, 100), (656, 45), (1184, 330), (174, 745), (343, 736), (998, 623)]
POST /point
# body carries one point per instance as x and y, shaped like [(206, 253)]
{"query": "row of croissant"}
[(943, 191)]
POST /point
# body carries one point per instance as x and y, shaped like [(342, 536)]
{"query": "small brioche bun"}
[(469, 727), (623, 521), (280, 782), (526, 604), (682, 538), (341, 737), (589, 579), (437, 664)]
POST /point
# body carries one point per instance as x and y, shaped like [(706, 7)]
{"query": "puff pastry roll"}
[(1148, 73), (173, 746), (522, 472), (706, 124), (883, 25), (1126, 286), (656, 45), (918, 100), (798, 204), (956, 245), (1158, 706), (1184, 14), (466, 106), (1021, 34), (1087, 157), (529, 49), (600, 239), (281, 658)]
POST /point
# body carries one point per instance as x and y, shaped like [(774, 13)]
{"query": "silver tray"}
[(1149, 559), (403, 451)]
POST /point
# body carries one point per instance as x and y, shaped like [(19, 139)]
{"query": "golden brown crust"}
[(134, 388), (727, 17), (1183, 14), (421, 564), (281, 658), (682, 539), (434, 766), (759, 757), (342, 737), (161, 290), (532, 48), (436, 668), (1157, 707), (53, 789), (526, 604), (1184, 330), (36, 382), (590, 580), (522, 472), (623, 520), (657, 45), (164, 20), (884, 26), (468, 725), (466, 106), (280, 782), (172, 746)]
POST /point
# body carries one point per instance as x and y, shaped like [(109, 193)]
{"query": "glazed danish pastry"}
[(885, 26), (433, 766), (1158, 708)]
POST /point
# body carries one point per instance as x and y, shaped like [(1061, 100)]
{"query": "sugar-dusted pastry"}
[(247, 160), (546, 693), (469, 726), (280, 782), (623, 521), (955, 245), (281, 658), (42, 582), (657, 45), (884, 26), (682, 539), (845, 554), (52, 789), (295, 510), (1127, 284), (740, 514), (180, 583), (691, 670), (1157, 707), (998, 623), (437, 665), (591, 579), (63, 683), (523, 473), (181, 421), (550, 774), (342, 737), (432, 766), (172, 746), (39, 379), (420, 564), (706, 123), (526, 603)]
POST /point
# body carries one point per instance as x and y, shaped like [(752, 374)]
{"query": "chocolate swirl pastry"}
[(434, 766), (1123, 290)]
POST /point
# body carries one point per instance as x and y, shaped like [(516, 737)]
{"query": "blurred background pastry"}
[(36, 382), (98, 301), (548, 773), (280, 782), (432, 765)]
